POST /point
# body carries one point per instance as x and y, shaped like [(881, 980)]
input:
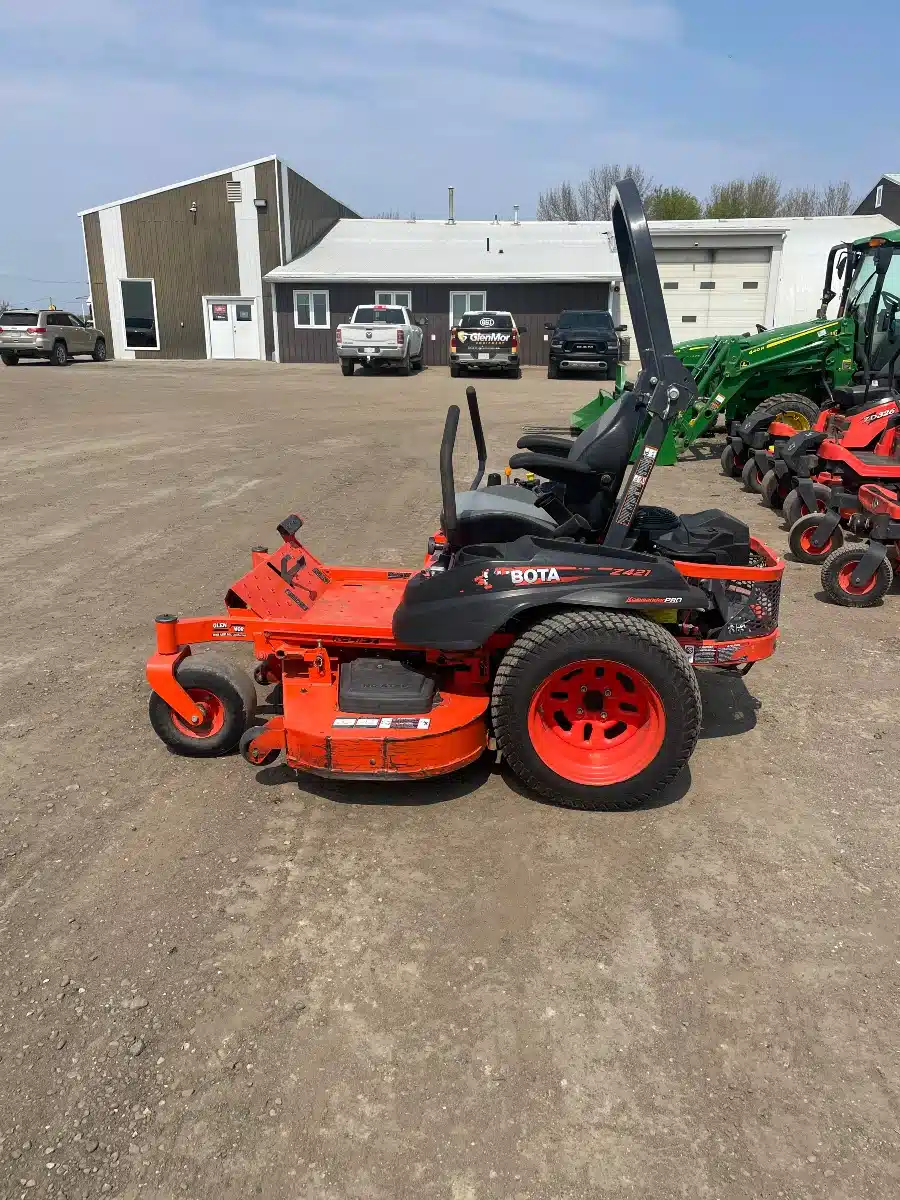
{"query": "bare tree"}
[(4, 305), (588, 200), (836, 200), (800, 202), (391, 214)]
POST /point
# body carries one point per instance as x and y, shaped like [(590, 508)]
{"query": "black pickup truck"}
[(584, 340)]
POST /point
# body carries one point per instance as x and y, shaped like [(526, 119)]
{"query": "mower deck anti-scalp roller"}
[(561, 623)]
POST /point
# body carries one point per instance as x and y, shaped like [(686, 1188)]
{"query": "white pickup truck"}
[(381, 333)]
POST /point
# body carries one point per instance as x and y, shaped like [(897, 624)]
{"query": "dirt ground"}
[(218, 983)]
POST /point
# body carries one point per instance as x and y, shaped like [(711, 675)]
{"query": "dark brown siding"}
[(890, 203), (532, 304), (97, 275), (312, 212), (187, 257), (269, 243)]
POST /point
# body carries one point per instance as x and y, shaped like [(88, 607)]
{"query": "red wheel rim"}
[(807, 547), (844, 579), (596, 722), (213, 715)]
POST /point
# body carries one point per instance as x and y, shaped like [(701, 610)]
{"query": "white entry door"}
[(232, 329)]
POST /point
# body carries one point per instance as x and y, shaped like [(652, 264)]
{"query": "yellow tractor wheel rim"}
[(796, 420)]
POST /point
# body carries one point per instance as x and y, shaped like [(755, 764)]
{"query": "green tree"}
[(759, 196), (673, 204)]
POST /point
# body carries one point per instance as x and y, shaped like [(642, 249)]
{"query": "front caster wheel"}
[(771, 490), (751, 476), (795, 507), (837, 573), (802, 533), (227, 698), (729, 463), (256, 759), (596, 710)]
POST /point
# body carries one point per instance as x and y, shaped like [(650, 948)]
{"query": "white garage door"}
[(714, 291)]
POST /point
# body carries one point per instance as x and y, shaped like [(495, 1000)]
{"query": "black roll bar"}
[(665, 383)]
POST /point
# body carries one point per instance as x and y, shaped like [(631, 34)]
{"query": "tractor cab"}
[(871, 297)]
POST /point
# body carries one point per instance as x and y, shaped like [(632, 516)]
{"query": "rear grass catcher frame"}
[(571, 644)]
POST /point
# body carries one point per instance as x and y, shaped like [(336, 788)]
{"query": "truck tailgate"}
[(369, 335)]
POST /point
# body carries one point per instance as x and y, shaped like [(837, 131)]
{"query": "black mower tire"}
[(10, 358), (727, 462), (771, 491), (836, 565), (805, 553), (751, 478), (348, 366), (98, 354), (785, 402), (794, 508), (569, 636), (236, 696)]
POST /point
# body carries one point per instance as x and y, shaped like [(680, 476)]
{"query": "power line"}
[(28, 279)]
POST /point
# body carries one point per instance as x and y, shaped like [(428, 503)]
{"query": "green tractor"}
[(785, 374)]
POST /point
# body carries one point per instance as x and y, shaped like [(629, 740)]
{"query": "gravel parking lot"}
[(218, 983)]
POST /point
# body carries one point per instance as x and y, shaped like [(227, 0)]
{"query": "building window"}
[(670, 287), (707, 285), (139, 313), (394, 299), (689, 320), (243, 312), (879, 193), (751, 285), (311, 310), (463, 302)]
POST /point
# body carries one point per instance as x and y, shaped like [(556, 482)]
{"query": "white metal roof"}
[(379, 250), (184, 183), (892, 178)]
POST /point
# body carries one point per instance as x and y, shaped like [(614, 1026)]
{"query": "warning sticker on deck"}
[(381, 723)]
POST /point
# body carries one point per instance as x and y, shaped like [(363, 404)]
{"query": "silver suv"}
[(48, 333)]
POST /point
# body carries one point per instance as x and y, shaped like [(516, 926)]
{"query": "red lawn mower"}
[(562, 625), (859, 576)]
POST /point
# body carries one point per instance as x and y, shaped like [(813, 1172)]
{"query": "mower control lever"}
[(449, 519), (478, 431)]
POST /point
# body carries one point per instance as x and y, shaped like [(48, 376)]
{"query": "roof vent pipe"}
[(516, 218), (451, 220)]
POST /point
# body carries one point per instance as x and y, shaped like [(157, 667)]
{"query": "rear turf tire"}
[(799, 540), (229, 697), (836, 571), (794, 508), (642, 649)]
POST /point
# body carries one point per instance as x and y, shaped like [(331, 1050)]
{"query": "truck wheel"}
[(837, 571), (10, 358), (596, 710), (403, 365), (454, 371), (348, 366), (515, 372), (228, 699), (59, 355), (794, 507), (552, 370)]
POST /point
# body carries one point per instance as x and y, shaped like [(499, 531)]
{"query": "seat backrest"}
[(607, 443)]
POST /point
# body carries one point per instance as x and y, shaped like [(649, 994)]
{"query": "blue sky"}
[(376, 100)]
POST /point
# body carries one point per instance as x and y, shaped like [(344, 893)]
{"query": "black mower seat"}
[(855, 395)]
